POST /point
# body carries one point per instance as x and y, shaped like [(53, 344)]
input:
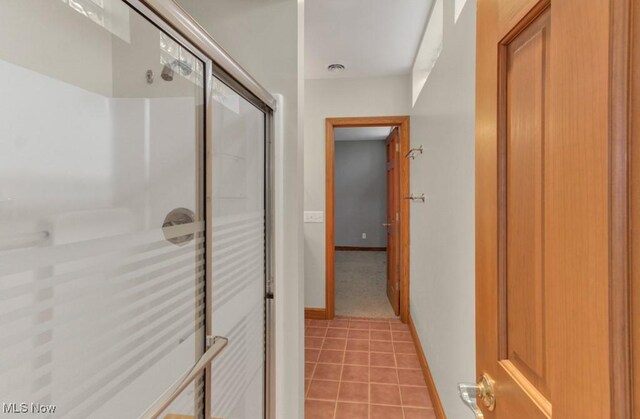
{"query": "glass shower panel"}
[(101, 216), (238, 255)]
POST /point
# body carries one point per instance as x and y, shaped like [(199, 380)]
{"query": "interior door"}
[(393, 208), (542, 209)]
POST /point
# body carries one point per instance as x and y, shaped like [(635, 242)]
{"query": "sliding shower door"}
[(102, 289), (237, 182)]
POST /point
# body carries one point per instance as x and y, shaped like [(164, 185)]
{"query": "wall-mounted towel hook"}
[(413, 198), (149, 76), (414, 152)]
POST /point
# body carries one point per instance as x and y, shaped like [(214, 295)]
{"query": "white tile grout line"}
[(335, 410), (311, 379), (376, 404), (362, 382), (395, 360)]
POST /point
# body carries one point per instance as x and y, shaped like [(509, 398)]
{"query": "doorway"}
[(363, 183), (386, 261)]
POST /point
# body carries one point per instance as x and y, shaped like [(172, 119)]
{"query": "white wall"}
[(80, 55), (383, 96), (442, 229), (265, 37)]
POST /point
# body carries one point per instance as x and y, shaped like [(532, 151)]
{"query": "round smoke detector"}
[(335, 67)]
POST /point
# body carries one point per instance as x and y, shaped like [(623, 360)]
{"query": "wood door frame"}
[(402, 123), (629, 292), (623, 188)]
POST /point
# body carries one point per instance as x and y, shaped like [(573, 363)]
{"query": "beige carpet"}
[(361, 284)]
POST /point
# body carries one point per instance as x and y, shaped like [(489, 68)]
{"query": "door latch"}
[(484, 390)]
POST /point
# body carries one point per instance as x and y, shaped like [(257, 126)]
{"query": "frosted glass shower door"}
[(102, 290), (237, 178)]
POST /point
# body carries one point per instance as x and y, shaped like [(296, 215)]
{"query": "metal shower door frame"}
[(170, 18)]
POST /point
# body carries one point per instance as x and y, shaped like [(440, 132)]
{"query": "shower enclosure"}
[(134, 216)]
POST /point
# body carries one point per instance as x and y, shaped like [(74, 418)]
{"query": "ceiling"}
[(370, 37), (361, 134)]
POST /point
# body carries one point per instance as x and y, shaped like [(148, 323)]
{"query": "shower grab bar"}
[(219, 343), (22, 240)]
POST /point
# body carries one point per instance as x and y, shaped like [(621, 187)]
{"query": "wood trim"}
[(392, 216), (634, 221), (315, 313), (431, 386), (405, 220), (360, 249), (368, 121), (405, 144), (619, 152), (330, 242), (486, 188)]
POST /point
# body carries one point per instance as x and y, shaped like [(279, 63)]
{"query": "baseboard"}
[(433, 391), (360, 249), (315, 313)]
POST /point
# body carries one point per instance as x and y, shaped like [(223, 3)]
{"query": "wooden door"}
[(393, 208), (543, 208)]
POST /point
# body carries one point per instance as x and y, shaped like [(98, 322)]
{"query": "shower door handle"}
[(173, 233), (218, 343)]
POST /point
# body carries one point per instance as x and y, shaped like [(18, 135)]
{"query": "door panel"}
[(393, 208), (526, 114), (542, 207), (237, 178)]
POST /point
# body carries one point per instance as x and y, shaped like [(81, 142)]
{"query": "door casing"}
[(633, 312), (402, 123)]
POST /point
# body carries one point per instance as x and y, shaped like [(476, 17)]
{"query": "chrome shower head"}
[(167, 73), (169, 69)]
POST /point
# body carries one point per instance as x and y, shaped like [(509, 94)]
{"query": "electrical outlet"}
[(364, 236)]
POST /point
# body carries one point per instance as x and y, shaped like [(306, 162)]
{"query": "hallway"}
[(363, 368)]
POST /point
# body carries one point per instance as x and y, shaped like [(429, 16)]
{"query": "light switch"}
[(313, 216)]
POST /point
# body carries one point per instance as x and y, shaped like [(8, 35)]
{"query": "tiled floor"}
[(363, 368)]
